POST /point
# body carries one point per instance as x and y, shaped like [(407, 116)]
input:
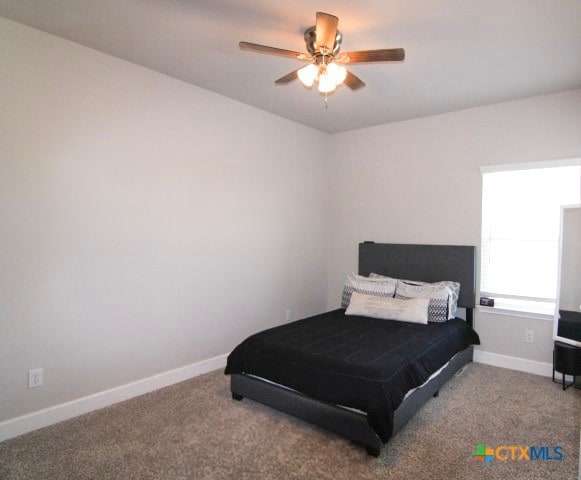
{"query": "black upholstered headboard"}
[(427, 263)]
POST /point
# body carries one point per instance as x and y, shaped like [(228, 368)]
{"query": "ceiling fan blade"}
[(326, 31), (382, 55), (255, 47), (353, 82), (288, 78)]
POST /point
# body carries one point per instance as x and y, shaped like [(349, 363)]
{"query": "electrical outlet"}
[(35, 377), (289, 314), (530, 336)]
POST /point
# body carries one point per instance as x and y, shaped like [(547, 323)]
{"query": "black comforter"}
[(353, 361)]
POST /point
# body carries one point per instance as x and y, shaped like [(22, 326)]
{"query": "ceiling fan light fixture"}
[(326, 83), (307, 74), (336, 72), (323, 41)]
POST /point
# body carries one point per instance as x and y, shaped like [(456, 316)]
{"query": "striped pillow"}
[(380, 287), (453, 292), (437, 294)]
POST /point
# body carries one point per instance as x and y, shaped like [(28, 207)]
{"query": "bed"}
[(359, 377)]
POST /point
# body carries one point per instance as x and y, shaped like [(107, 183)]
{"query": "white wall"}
[(145, 223), (419, 182)]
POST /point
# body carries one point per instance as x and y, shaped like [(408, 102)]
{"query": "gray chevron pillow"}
[(380, 287), (437, 294), (453, 292)]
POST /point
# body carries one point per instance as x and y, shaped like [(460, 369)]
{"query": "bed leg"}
[(235, 396), (436, 394), (372, 451)]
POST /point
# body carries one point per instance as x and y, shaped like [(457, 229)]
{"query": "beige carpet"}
[(194, 430)]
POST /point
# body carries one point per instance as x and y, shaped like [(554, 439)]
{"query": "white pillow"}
[(413, 310), (380, 287), (437, 294)]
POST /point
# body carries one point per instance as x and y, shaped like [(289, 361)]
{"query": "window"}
[(520, 232)]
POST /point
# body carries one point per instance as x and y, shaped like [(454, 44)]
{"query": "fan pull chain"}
[(326, 102)]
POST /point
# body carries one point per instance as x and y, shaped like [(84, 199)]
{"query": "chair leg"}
[(235, 396), (372, 451), (567, 385)]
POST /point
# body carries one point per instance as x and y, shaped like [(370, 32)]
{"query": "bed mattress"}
[(358, 362)]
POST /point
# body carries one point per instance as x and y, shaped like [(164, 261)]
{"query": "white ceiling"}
[(459, 54)]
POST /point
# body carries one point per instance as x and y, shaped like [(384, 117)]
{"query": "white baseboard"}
[(514, 363), (48, 416), (51, 415)]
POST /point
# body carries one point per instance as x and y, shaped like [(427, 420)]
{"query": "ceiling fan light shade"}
[(326, 83), (337, 73), (307, 74)]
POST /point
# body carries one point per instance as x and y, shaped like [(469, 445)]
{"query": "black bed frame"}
[(429, 263)]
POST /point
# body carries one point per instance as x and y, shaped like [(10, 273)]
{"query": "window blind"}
[(520, 229)]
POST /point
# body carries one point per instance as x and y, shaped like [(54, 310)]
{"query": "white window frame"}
[(570, 341), (512, 304)]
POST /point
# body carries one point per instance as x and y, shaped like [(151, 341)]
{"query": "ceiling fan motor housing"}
[(311, 41)]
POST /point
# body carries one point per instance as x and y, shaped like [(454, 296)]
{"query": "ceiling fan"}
[(325, 62)]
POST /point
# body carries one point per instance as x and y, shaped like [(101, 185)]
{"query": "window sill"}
[(515, 313)]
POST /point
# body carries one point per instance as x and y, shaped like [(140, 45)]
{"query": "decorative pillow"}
[(380, 287), (437, 294), (377, 275), (414, 310), (453, 292)]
